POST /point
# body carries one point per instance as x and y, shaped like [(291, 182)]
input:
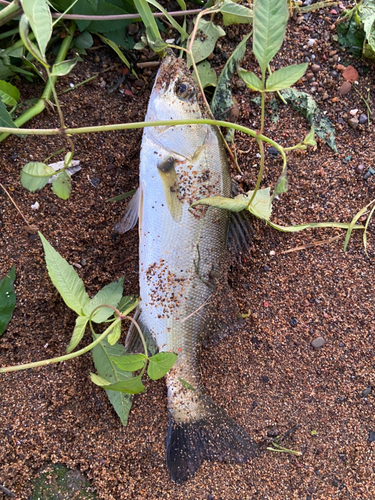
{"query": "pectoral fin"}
[(171, 188), (132, 212)]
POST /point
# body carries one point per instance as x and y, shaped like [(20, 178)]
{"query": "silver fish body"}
[(183, 265)]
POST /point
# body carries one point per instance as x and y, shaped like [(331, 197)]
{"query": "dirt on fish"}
[(294, 288)]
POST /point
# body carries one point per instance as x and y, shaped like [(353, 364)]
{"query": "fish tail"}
[(215, 436)]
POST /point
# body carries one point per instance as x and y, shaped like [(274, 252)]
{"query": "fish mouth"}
[(172, 70)]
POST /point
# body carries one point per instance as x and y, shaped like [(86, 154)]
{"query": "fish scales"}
[(183, 265)]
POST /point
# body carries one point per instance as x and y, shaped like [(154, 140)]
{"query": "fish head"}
[(175, 96)]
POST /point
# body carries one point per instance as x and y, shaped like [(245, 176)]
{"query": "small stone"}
[(139, 83), (334, 74), (266, 268), (265, 379), (353, 123), (224, 56), (273, 151), (254, 404), (310, 76), (350, 74), (353, 112), (315, 68), (318, 343), (371, 436), (366, 392), (359, 168), (97, 59), (240, 84), (83, 262), (314, 84), (362, 118), (325, 96), (293, 322), (133, 29), (340, 67), (231, 34), (345, 88), (95, 181)]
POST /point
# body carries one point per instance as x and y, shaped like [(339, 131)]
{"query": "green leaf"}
[(130, 362), (207, 75), (39, 17), (174, 23), (309, 139), (5, 118), (351, 34), (84, 41), (115, 48), (7, 299), (207, 36), (148, 19), (306, 105), (35, 175), (65, 278), (127, 304), (31, 47), (186, 384), (270, 18), (62, 185), (115, 334), (64, 67), (367, 11), (312, 225), (281, 186), (122, 196), (353, 224), (101, 382), (78, 332), (251, 80), (160, 364), (9, 94), (111, 294), (233, 13), (285, 77), (222, 100), (106, 368), (261, 206), (132, 386)]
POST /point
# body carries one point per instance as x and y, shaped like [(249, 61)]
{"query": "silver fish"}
[(183, 271)]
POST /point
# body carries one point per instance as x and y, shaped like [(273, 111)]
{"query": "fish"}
[(183, 266)]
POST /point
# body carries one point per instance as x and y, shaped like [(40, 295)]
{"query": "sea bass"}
[(182, 270)]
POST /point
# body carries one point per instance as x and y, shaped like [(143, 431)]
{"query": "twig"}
[(148, 64), (6, 491), (314, 244), (14, 203)]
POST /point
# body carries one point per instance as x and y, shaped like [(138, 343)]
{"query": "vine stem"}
[(66, 357)]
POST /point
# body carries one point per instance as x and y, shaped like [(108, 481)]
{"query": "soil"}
[(297, 287)]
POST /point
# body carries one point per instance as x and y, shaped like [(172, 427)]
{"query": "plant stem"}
[(139, 332), (260, 173), (66, 357), (41, 104), (11, 11)]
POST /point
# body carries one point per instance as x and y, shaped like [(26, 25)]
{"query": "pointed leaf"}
[(309, 139), (207, 36), (311, 225), (172, 21), (9, 94), (5, 118), (64, 67), (130, 362), (7, 299), (84, 40), (62, 185), (111, 294), (160, 364), (65, 278), (132, 386), (186, 384), (251, 80), (106, 368), (31, 47), (222, 100), (233, 13), (114, 47), (207, 75), (270, 18), (285, 77), (148, 19), (39, 17), (115, 334), (127, 304), (78, 332), (101, 382), (35, 175)]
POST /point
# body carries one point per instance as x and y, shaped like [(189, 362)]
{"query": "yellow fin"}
[(171, 188)]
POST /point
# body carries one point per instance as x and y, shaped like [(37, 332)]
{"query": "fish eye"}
[(184, 90)]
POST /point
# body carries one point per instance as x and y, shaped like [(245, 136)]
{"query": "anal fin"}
[(132, 212)]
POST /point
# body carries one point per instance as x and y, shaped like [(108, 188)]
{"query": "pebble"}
[(266, 268), (350, 74), (334, 74), (133, 29), (345, 88), (293, 322), (96, 59), (265, 379), (362, 118), (353, 112), (139, 83), (371, 436), (240, 84), (353, 123), (340, 67), (273, 151), (315, 68), (318, 343), (231, 34), (95, 181), (359, 168), (366, 392), (83, 262), (310, 76)]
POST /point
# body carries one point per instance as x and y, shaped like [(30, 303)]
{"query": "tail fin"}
[(215, 436)]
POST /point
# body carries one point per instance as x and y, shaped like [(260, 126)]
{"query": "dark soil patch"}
[(269, 378)]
